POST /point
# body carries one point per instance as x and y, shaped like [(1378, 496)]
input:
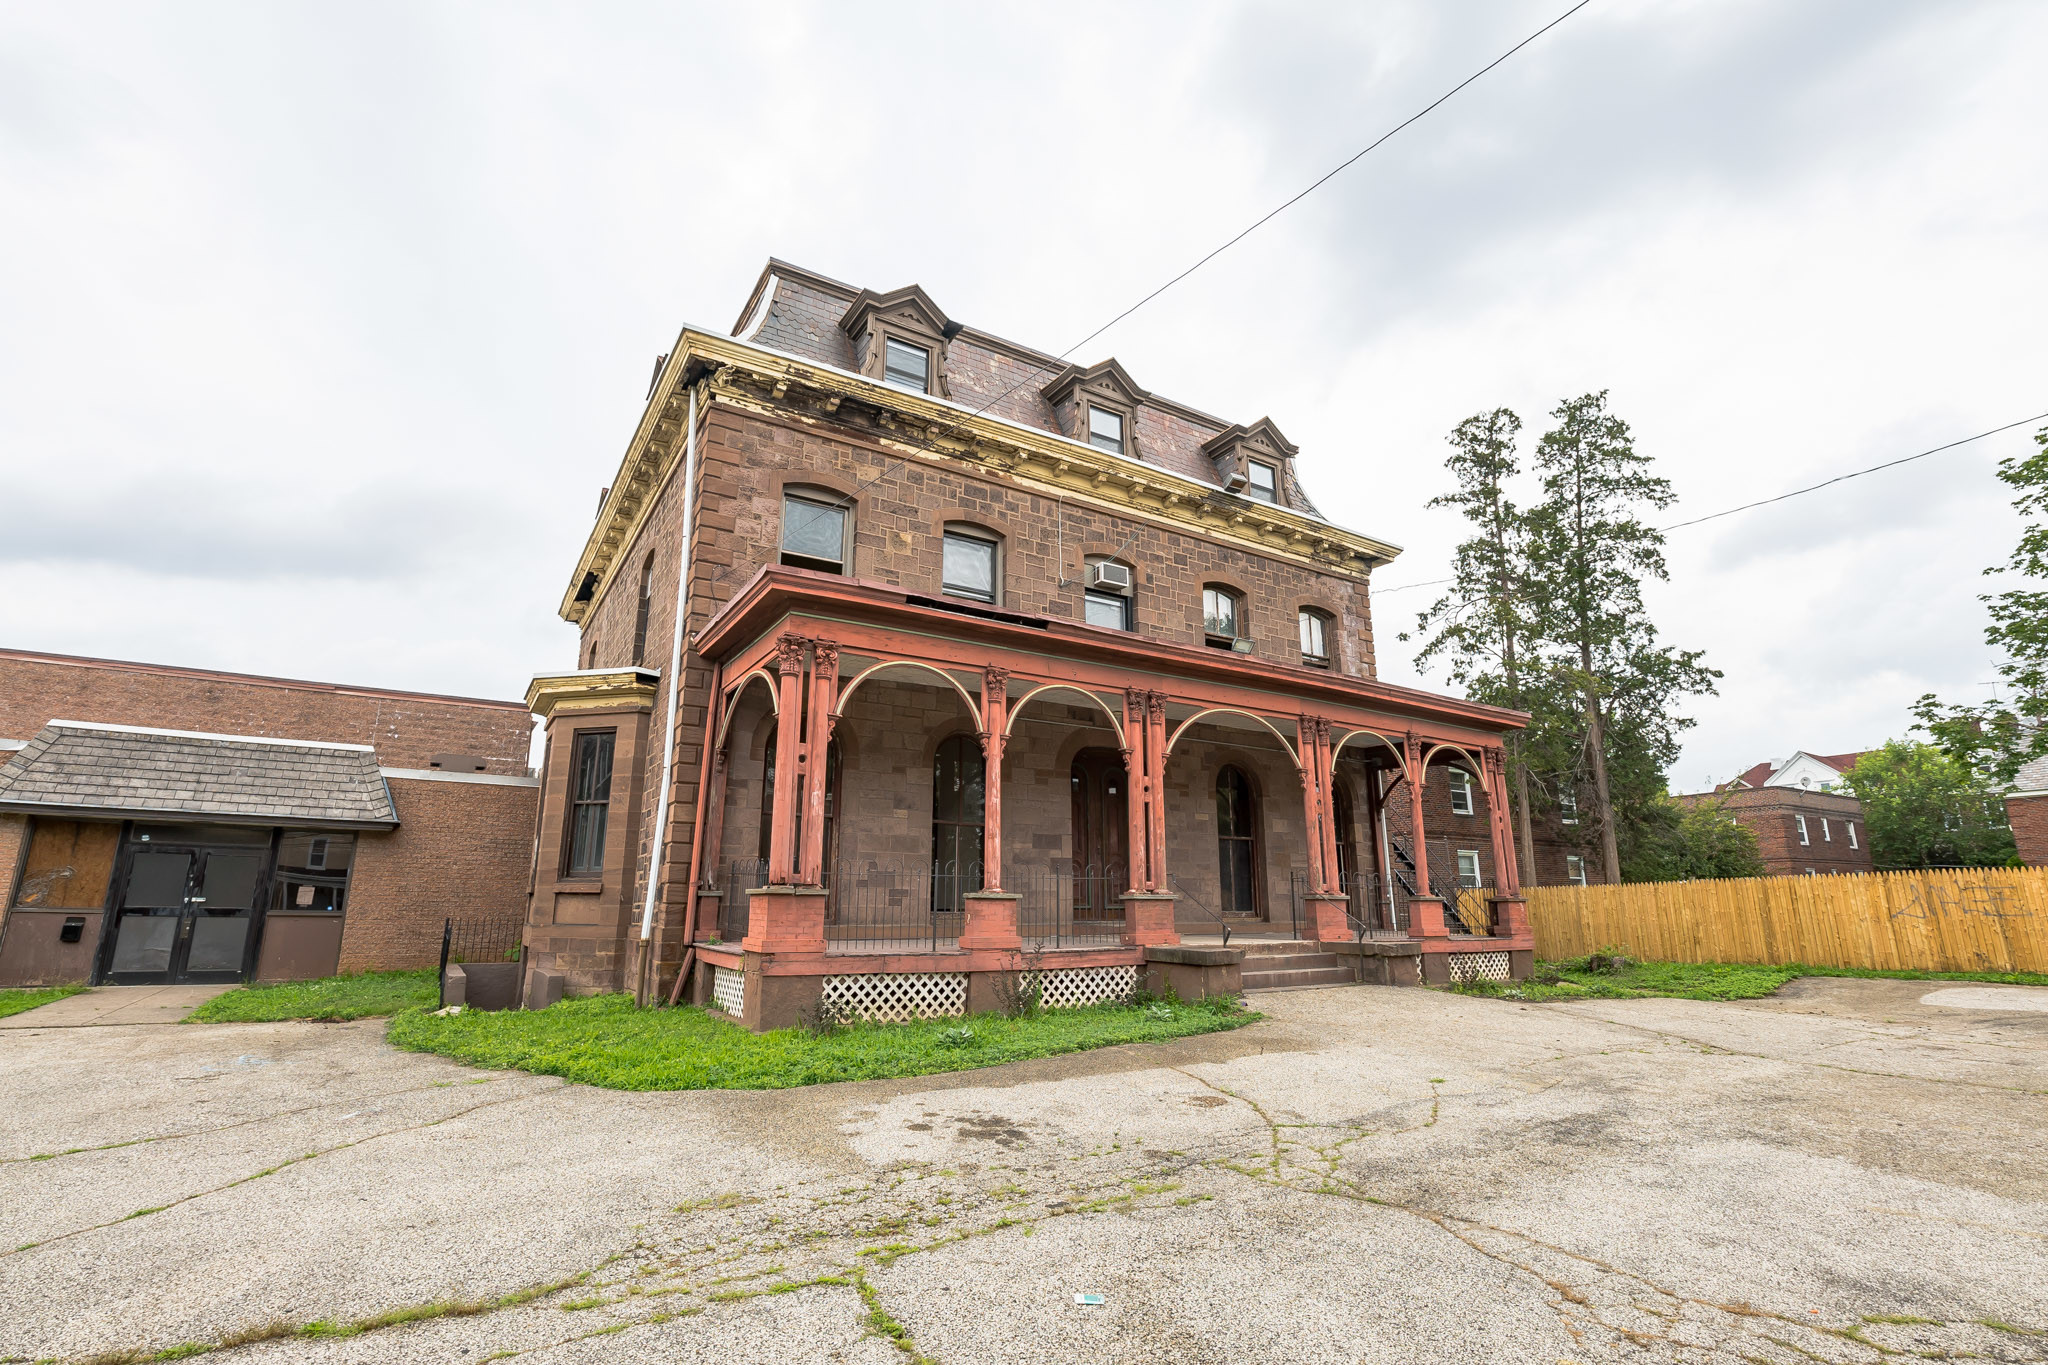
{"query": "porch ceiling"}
[(872, 622)]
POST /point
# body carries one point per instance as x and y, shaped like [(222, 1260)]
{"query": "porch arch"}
[(1337, 749), (1272, 729), (739, 695), (1017, 707), (853, 685), (1429, 757)]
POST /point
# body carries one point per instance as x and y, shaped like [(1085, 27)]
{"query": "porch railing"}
[(741, 877), (1062, 905), (1376, 908)]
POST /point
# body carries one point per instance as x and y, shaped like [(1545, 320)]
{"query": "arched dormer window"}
[(971, 563)]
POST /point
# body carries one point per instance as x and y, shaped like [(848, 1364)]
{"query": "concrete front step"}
[(1298, 976)]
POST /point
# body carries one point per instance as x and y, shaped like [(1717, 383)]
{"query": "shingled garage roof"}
[(80, 768)]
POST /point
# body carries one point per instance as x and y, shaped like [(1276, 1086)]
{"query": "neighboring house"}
[(984, 648), (2026, 810), (1805, 822), (1567, 852), (179, 825)]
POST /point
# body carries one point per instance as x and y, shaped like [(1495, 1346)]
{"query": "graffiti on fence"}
[(1987, 900)]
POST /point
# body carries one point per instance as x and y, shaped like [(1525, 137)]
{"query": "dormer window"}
[(1106, 430), (908, 366), (1262, 485)]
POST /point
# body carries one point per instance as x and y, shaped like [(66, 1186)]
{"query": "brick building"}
[(173, 824), (2026, 810), (982, 649), (1805, 824)]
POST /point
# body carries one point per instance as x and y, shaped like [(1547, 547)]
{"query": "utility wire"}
[(1797, 492), (1323, 180)]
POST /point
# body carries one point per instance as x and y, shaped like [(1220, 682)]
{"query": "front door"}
[(186, 915), (1237, 843), (1101, 819)]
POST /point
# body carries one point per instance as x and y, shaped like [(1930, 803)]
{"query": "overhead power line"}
[(1279, 209), (1766, 502)]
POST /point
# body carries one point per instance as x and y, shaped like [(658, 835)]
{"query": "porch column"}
[(1137, 792), (1326, 770), (714, 837), (817, 743), (1425, 911), (789, 668), (1312, 804), (995, 712), (1506, 875), (1155, 755)]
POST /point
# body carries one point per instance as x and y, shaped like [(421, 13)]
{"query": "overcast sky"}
[(322, 325)]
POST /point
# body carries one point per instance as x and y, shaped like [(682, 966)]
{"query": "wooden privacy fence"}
[(1991, 919)]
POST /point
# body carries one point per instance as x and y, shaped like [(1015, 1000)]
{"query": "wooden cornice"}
[(596, 689), (915, 425)]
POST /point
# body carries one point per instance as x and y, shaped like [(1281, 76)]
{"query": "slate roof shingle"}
[(128, 770)]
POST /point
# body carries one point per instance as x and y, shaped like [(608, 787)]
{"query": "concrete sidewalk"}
[(104, 1005)]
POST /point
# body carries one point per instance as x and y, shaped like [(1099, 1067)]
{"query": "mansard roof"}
[(1107, 373), (910, 298)]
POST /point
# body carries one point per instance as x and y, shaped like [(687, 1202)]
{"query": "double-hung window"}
[(907, 366), (1568, 806), (1461, 792), (1107, 609), (1106, 430), (1263, 484), (1222, 621), (1851, 826), (590, 797), (1575, 869), (1468, 867), (813, 533), (970, 566), (1315, 638), (1827, 836), (1800, 822)]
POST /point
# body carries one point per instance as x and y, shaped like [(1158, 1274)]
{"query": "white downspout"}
[(675, 681)]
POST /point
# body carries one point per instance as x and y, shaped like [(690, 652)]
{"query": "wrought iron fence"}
[(742, 876), (494, 938), (1378, 908), (1064, 905), (875, 906)]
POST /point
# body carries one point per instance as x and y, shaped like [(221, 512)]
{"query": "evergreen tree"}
[(1483, 625), (1590, 552), (1691, 842)]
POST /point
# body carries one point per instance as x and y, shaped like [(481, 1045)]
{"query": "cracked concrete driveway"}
[(1839, 1173)]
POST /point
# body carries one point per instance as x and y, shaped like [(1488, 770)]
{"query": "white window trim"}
[(1804, 838), (1851, 826), (1827, 836), (1461, 786), (1575, 869), (1478, 873)]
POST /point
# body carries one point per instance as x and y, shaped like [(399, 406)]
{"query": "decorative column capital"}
[(789, 655), (991, 744), (718, 760), (1155, 705), (997, 681), (825, 658)]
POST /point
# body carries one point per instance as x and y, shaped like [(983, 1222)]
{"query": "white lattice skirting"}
[(1087, 986), (896, 997), (729, 990), (1479, 966)]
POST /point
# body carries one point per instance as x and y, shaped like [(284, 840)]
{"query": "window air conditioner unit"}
[(1109, 577)]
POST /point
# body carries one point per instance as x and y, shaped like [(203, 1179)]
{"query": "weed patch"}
[(20, 1002), (605, 1041), (331, 999)]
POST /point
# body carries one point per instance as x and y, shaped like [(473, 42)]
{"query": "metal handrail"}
[(1203, 906)]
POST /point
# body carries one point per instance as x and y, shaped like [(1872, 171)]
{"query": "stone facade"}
[(801, 418)]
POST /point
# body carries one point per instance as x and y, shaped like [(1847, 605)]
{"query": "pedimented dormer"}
[(1254, 460), (1098, 405), (900, 338)]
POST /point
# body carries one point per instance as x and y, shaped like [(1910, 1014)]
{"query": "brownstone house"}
[(163, 825), (2026, 810), (985, 652), (1805, 823)]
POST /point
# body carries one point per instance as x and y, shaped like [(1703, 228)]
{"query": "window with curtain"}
[(907, 366)]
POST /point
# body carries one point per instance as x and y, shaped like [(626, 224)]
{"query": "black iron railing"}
[(1204, 911), (879, 906), (1062, 905), (1377, 909), (742, 876), (492, 938)]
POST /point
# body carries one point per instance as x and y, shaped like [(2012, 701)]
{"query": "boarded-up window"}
[(69, 864)]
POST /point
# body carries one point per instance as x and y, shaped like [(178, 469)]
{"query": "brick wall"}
[(13, 848), (1772, 813), (462, 849), (406, 728), (1444, 832), (2029, 817)]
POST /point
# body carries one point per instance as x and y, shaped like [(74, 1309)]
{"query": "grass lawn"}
[(329, 999), (1584, 979), (603, 1040), (14, 1002)]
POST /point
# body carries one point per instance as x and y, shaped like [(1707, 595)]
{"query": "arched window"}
[(817, 529), (646, 602), (1223, 623), (971, 564), (1237, 842), (768, 804), (1101, 816), (1315, 637), (956, 821)]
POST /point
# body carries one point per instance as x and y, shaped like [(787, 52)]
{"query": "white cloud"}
[(378, 287)]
